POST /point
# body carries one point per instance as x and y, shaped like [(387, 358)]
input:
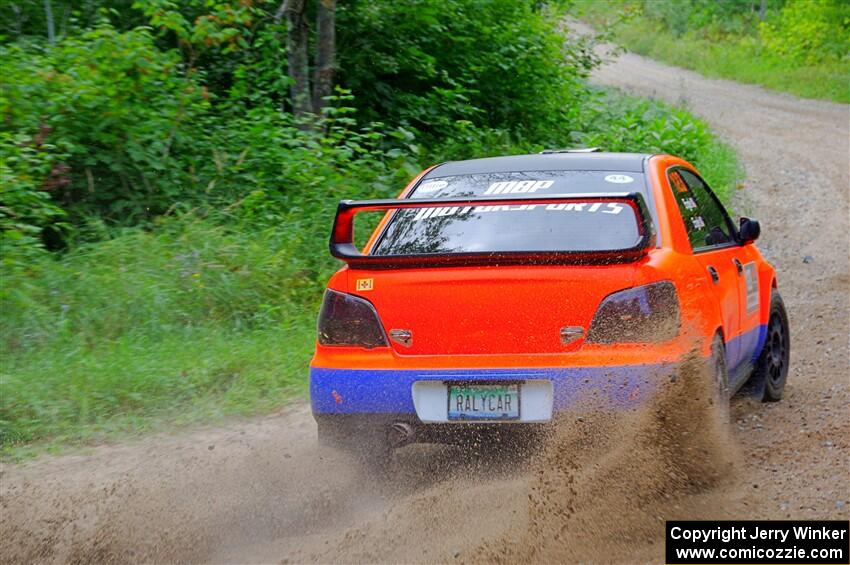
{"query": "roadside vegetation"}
[(796, 46), (170, 171)]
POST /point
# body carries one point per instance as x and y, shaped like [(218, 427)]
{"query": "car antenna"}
[(576, 150)]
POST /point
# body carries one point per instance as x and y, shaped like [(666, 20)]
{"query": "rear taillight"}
[(643, 314), (348, 320)]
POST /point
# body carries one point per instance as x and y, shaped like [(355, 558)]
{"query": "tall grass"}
[(79, 391), (193, 320), (188, 271), (742, 61)]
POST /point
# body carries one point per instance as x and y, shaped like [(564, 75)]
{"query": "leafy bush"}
[(706, 18), (254, 258), (25, 206), (107, 118), (110, 129), (431, 64), (640, 125), (423, 64), (809, 30)]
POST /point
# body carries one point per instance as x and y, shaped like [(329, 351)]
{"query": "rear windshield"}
[(597, 226)]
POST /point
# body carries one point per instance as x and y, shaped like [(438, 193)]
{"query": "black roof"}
[(625, 162)]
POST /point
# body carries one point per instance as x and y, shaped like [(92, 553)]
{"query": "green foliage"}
[(633, 124), (801, 47), (28, 20), (25, 205), (254, 258), (184, 273), (107, 118), (202, 25), (431, 64), (108, 126), (706, 18), (809, 31), (84, 392), (237, 45)]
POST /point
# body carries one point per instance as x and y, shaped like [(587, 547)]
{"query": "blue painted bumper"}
[(350, 391)]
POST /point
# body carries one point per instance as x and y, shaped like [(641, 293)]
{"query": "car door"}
[(712, 238), (749, 298)]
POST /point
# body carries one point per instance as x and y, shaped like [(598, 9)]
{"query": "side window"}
[(705, 220)]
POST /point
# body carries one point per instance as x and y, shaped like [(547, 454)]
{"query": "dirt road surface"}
[(261, 491)]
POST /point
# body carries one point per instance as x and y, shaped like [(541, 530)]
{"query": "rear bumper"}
[(421, 393), (358, 430)]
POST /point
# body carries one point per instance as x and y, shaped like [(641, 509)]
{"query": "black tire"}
[(772, 365), (719, 371)]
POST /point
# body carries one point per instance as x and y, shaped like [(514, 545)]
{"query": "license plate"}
[(484, 402)]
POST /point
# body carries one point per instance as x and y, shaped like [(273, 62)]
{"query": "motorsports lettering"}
[(602, 207)]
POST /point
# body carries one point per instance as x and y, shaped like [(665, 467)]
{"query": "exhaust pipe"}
[(401, 433)]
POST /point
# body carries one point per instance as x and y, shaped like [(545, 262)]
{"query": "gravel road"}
[(261, 491)]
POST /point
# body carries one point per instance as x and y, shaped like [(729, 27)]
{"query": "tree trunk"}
[(297, 43), (51, 28), (762, 9), (323, 77)]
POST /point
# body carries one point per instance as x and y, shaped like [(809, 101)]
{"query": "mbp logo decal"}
[(365, 284), (619, 179), (518, 186), (433, 186)]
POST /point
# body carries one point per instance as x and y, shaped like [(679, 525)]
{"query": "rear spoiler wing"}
[(342, 235)]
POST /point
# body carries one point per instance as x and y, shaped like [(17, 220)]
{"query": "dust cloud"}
[(605, 482), (598, 488)]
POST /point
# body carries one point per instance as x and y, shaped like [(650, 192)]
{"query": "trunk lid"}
[(481, 311)]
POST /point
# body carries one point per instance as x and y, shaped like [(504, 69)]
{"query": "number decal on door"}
[(752, 281)]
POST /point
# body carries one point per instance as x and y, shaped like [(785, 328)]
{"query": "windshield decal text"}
[(518, 186), (433, 186), (601, 207)]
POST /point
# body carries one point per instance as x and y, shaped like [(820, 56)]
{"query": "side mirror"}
[(749, 230)]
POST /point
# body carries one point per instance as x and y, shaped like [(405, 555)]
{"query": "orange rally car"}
[(498, 292)]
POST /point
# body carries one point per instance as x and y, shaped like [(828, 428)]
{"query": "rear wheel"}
[(772, 365)]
